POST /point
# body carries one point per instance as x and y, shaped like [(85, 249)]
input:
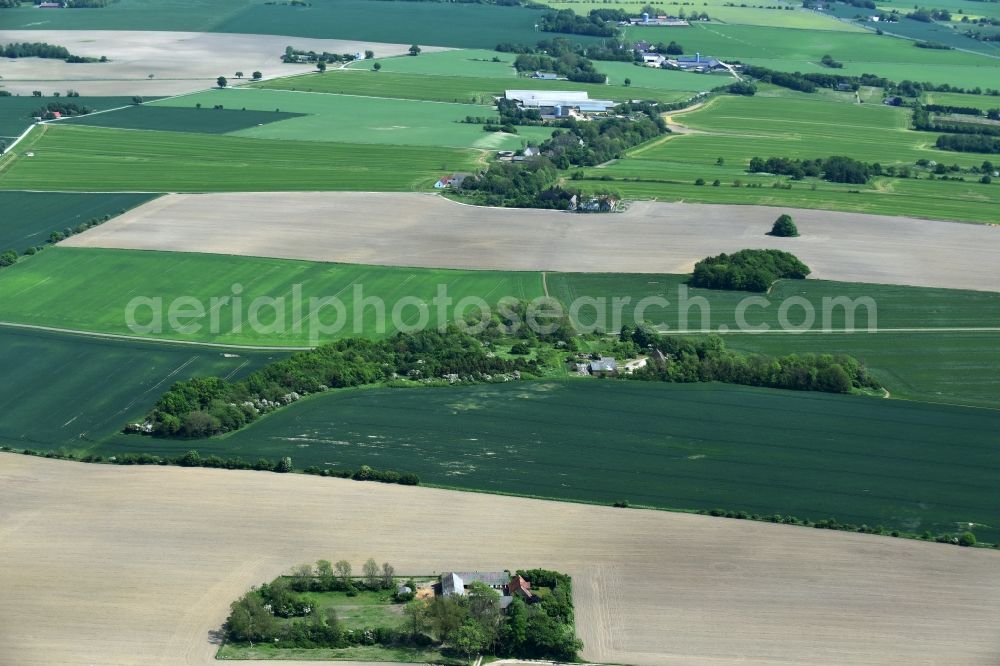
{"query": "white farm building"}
[(559, 103)]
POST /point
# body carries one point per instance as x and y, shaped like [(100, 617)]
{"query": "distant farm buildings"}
[(668, 21), (696, 63), (454, 180), (559, 103)]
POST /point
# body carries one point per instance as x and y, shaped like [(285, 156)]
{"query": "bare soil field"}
[(423, 230), (131, 565), (179, 62)]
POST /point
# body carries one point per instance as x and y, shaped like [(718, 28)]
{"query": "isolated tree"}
[(628, 82), (151, 76), (387, 575), (221, 82), (370, 571), (785, 227), (137, 100), (377, 66), (256, 76), (369, 55), (720, 161), (239, 75), (414, 50), (967, 539), (321, 65), (343, 568), (36, 93)]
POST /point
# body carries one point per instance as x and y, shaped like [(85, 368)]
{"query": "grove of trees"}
[(747, 270)]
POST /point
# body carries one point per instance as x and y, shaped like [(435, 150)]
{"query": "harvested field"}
[(160, 63), (116, 565), (651, 237)]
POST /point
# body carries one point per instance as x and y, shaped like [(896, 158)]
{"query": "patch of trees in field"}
[(206, 406), (836, 169), (574, 67), (43, 50), (689, 360), (64, 109), (569, 22), (747, 270), (463, 625), (968, 143)]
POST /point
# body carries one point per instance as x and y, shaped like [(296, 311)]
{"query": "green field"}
[(738, 128), (774, 14), (352, 119), (426, 23), (127, 160), (67, 392), (45, 290), (16, 112), (179, 117), (983, 102), (29, 217), (473, 90), (478, 64), (961, 368), (801, 50), (904, 465)]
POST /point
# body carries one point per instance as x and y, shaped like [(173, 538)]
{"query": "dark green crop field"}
[(29, 217), (16, 112), (182, 119), (907, 466), (66, 392), (425, 23)]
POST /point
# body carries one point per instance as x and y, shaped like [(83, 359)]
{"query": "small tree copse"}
[(256, 76), (785, 227), (369, 55), (221, 82), (967, 539)]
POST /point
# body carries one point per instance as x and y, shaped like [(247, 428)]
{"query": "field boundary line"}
[(926, 329), (139, 338)]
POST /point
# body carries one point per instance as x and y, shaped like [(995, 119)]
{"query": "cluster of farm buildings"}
[(457, 584)]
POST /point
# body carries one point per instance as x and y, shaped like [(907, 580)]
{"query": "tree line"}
[(689, 360), (836, 169), (205, 406), (968, 143), (747, 270)]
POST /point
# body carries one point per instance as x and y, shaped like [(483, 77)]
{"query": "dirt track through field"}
[(131, 565), (161, 62), (422, 230)]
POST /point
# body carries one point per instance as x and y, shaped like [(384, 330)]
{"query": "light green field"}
[(46, 291), (719, 11), (737, 129), (351, 119), (961, 368), (472, 90), (946, 367), (476, 63), (801, 50), (127, 160), (984, 102)]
